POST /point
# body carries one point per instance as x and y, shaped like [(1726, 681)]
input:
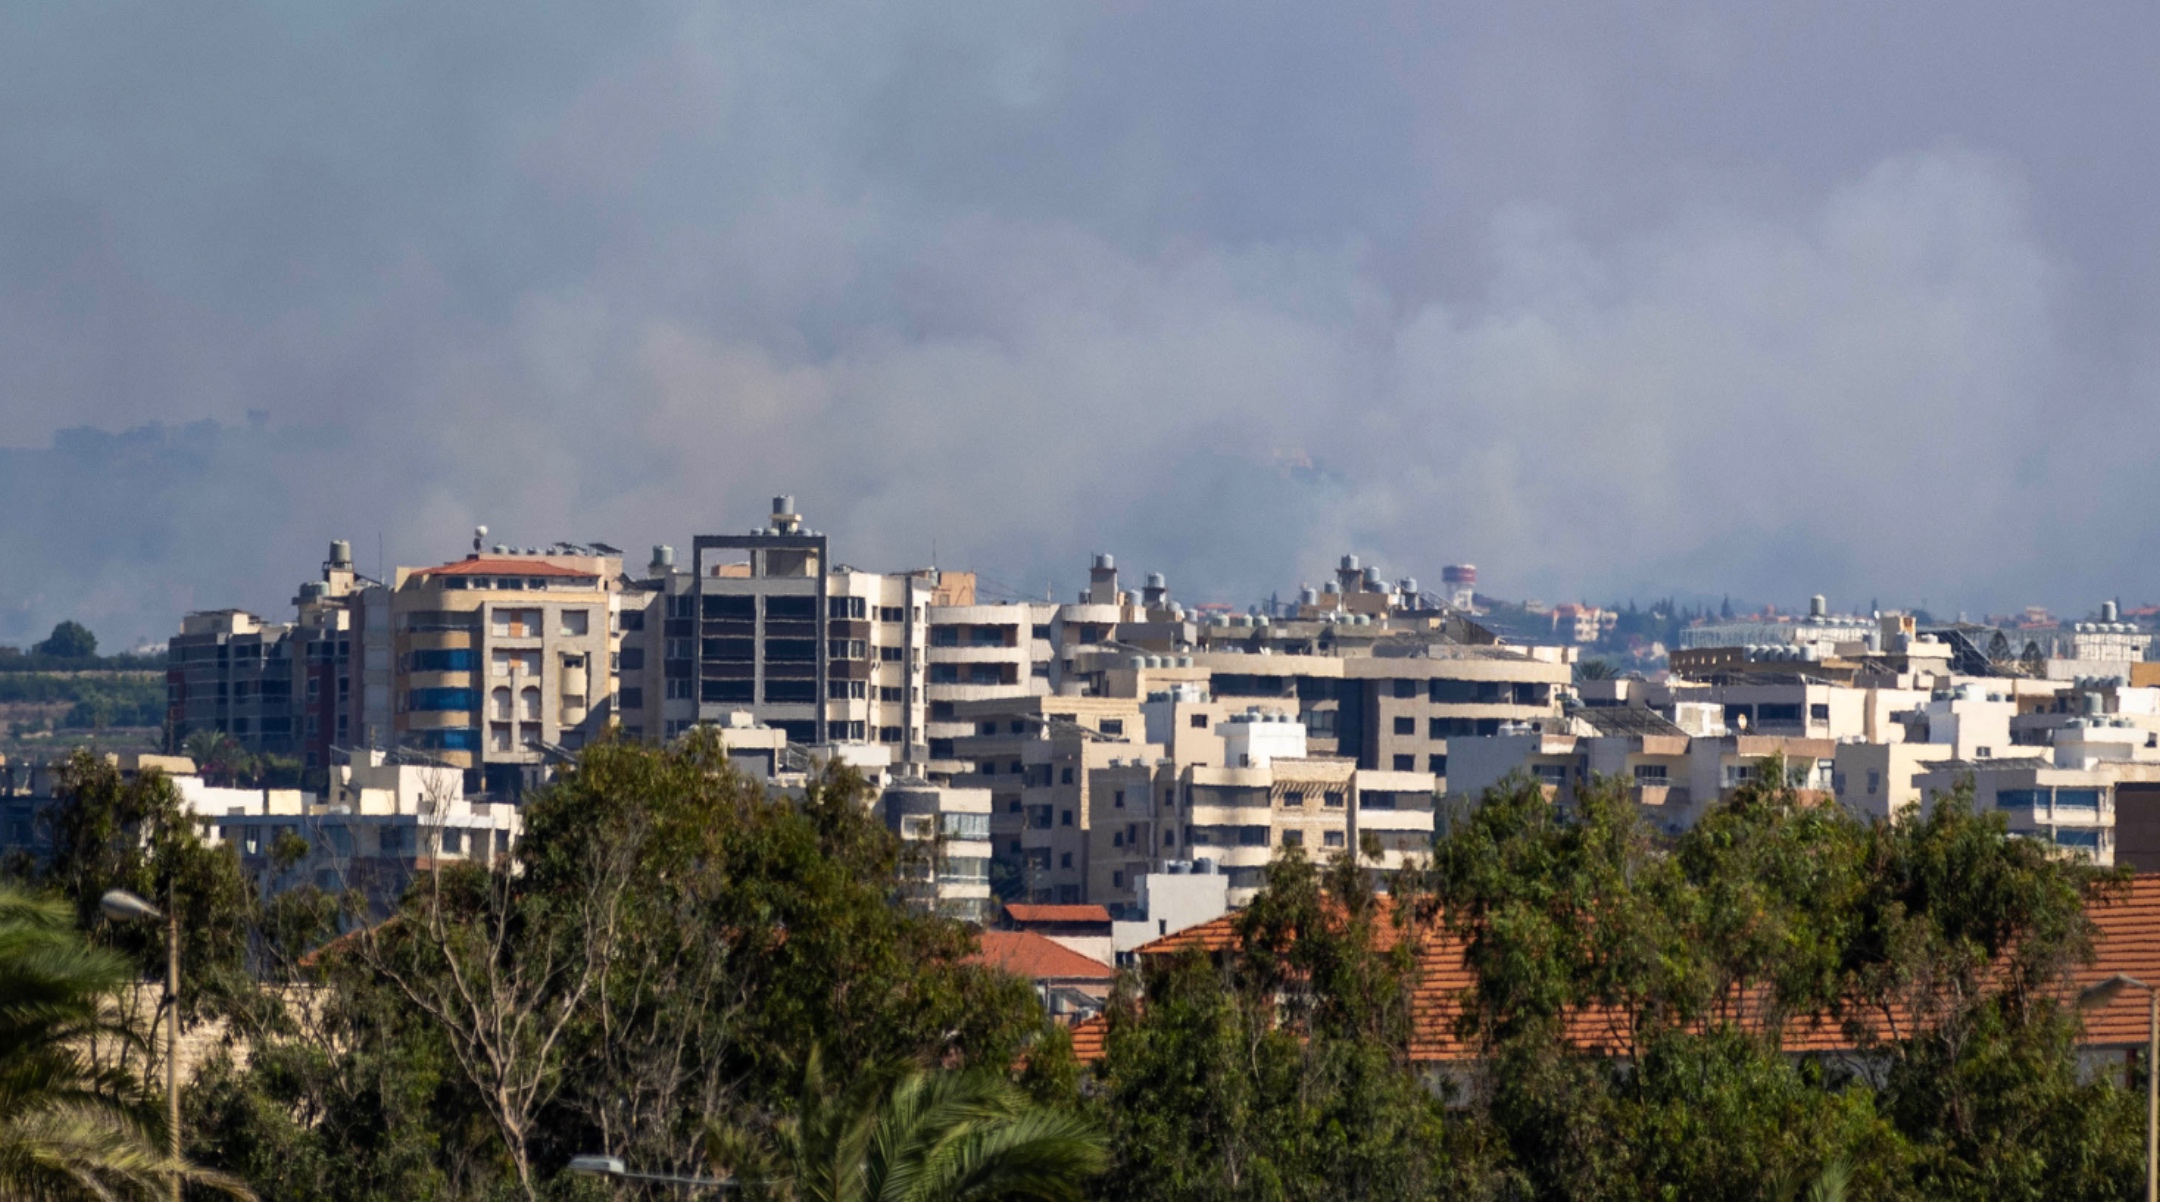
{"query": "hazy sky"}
[(1608, 298)]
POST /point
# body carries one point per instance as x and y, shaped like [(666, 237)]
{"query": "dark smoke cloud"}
[(1607, 298)]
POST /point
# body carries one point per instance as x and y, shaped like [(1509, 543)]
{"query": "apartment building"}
[(1037, 755), (230, 672), (945, 840), (979, 652), (499, 664)]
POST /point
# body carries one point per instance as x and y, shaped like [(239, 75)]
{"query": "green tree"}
[(913, 1136), (72, 1124), (1281, 1069), (69, 640)]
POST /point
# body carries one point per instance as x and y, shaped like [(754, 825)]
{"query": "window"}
[(1293, 838), (1199, 722), (453, 659), (889, 734), (791, 609), (1113, 726), (791, 692), (1332, 799), (1818, 712), (944, 674), (1332, 839), (632, 619), (1874, 781), (1294, 798), (2088, 840), (1117, 838), (438, 700), (1768, 713), (1405, 763), (1065, 860), (1650, 774), (891, 693), (680, 689), (2077, 799), (941, 709), (1436, 764), (2020, 799), (1169, 838), (1117, 880), (1119, 799), (499, 733), (631, 659), (727, 609), (500, 703), (1043, 633), (682, 605), (1065, 818), (630, 699), (1404, 688), (1065, 776), (515, 623), (846, 649), (1406, 726), (576, 622), (680, 649), (846, 607), (724, 691), (529, 704)]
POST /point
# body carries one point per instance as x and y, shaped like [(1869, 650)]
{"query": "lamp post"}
[(121, 906), (2100, 995), (612, 1167)]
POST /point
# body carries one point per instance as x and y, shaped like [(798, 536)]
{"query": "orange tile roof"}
[(476, 566), (1027, 954), (2127, 941), (1089, 1036), (1023, 912)]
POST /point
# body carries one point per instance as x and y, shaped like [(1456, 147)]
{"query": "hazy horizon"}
[(1610, 300)]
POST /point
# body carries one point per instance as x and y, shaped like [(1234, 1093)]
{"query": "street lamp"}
[(121, 906), (2100, 995), (612, 1166)]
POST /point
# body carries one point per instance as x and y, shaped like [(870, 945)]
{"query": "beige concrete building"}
[(498, 662)]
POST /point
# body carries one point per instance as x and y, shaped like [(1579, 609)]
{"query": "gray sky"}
[(1608, 298)]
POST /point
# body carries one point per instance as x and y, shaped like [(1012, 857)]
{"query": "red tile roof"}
[(476, 566), (1027, 954), (1089, 1036), (2128, 942), (1023, 912)]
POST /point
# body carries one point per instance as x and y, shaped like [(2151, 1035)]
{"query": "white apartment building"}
[(945, 841)]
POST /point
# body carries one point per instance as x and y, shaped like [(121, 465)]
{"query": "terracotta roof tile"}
[(2128, 942), (1027, 954), (502, 567), (1089, 1036), (1024, 912)]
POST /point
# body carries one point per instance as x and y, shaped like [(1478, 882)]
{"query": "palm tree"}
[(915, 1136), (69, 1127), (1831, 1183)]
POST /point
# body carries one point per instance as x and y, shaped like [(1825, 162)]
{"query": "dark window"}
[(729, 609), (725, 690), (1199, 721), (1405, 763), (1819, 712), (1436, 764), (739, 651), (455, 659), (633, 619), (793, 651), (633, 659), (1406, 726), (1043, 633), (425, 700), (944, 636), (1065, 818), (941, 749), (1119, 799), (944, 673), (1113, 726), (890, 655), (791, 609), (790, 691), (1777, 713), (630, 699), (1406, 688), (941, 709), (1065, 776)]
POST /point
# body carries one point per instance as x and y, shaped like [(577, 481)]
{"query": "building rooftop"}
[(1024, 912), (1628, 720), (1027, 954), (473, 565)]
